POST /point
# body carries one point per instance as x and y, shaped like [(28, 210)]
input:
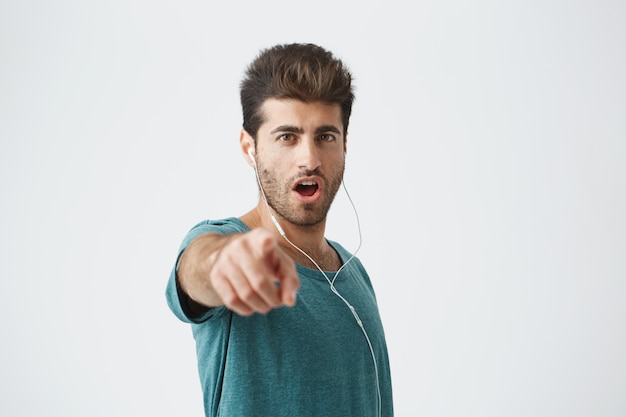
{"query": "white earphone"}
[(330, 282)]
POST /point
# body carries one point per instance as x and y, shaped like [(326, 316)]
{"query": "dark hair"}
[(305, 72)]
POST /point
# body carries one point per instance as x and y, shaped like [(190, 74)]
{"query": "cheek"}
[(273, 175), (339, 163)]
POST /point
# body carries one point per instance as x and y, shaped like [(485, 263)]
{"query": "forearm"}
[(194, 271)]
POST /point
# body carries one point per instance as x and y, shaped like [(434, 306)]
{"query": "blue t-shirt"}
[(309, 360)]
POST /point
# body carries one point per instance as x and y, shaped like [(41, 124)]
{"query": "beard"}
[(278, 196)]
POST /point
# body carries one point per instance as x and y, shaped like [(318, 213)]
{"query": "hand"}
[(252, 274)]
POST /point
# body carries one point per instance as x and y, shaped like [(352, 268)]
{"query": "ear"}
[(246, 143), (345, 145)]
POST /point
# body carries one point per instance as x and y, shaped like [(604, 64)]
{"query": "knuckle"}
[(246, 293), (230, 300), (257, 283)]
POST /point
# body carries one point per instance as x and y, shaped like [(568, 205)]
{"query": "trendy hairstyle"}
[(305, 72)]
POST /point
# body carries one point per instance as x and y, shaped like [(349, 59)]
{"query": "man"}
[(285, 322)]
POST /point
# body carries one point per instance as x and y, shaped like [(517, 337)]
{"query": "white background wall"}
[(486, 158)]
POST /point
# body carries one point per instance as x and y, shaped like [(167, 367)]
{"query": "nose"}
[(308, 155)]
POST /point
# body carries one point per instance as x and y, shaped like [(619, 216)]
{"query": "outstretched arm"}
[(247, 272)]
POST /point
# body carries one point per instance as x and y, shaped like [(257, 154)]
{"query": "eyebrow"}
[(287, 128), (295, 129)]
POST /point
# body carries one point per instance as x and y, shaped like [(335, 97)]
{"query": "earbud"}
[(330, 282)]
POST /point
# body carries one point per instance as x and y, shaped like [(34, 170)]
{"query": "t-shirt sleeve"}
[(177, 300)]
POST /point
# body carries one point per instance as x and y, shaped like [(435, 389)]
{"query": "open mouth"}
[(307, 188)]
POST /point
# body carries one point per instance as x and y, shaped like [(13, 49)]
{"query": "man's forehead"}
[(296, 115)]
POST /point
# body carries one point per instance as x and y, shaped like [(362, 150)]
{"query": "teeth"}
[(308, 183)]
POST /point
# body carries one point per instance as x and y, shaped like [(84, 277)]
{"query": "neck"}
[(325, 259), (309, 239)]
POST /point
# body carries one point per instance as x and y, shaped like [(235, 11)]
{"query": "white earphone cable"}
[(331, 282)]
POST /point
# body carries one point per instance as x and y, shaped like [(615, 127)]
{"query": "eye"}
[(327, 137), (286, 137)]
